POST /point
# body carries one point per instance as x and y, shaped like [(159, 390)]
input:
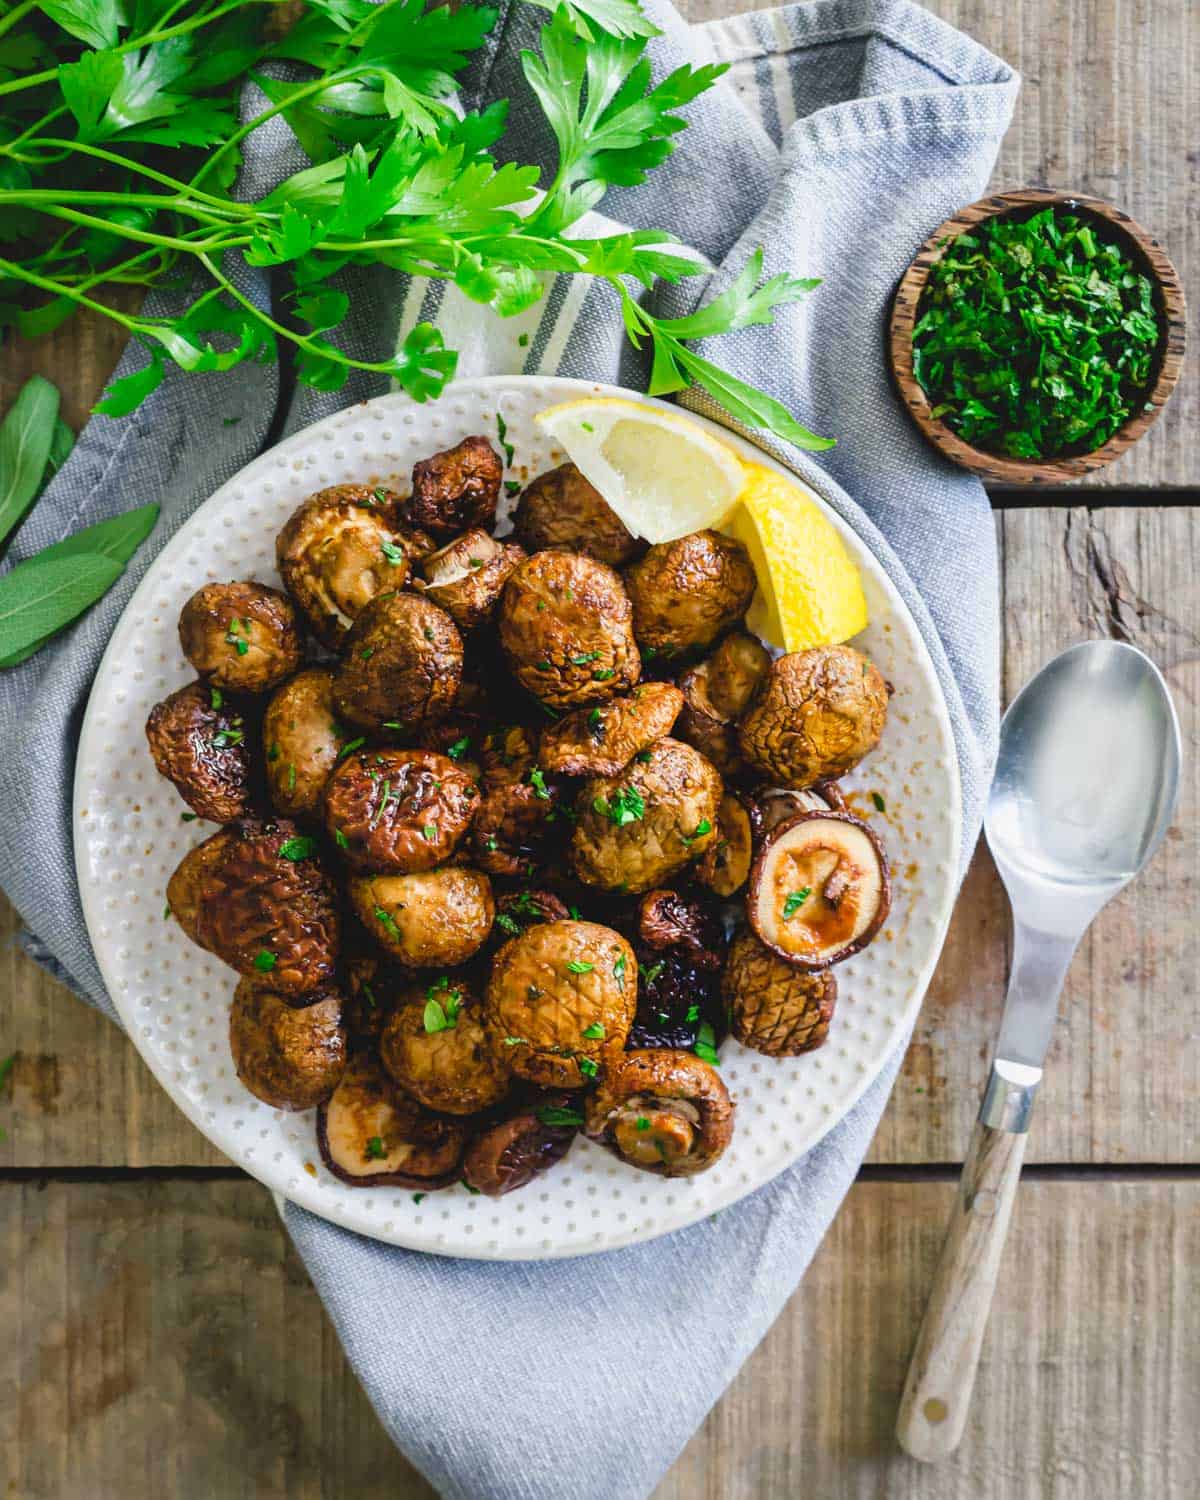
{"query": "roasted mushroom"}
[(512, 1152), (566, 630), (435, 1048), (521, 909), (601, 741), (342, 548), (371, 1134), (456, 490), (289, 1057), (242, 636), (669, 922), (819, 889), (561, 510), (560, 1001), (507, 754), (665, 1112), (401, 668), (725, 867), (715, 695), (398, 810), (302, 738), (679, 1002), (372, 986), (431, 920), (688, 592), (514, 827), (772, 805), (636, 830), (256, 895), (818, 713), (198, 738), (467, 577), (773, 1007)]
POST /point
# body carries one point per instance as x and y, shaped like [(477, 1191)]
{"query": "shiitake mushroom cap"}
[(820, 889), (510, 1153)]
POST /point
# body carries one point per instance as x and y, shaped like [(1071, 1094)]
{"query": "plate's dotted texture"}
[(174, 999)]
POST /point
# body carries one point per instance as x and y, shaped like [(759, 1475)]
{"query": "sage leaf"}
[(25, 438), (41, 596)]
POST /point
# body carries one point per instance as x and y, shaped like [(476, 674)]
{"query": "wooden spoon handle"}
[(941, 1373)]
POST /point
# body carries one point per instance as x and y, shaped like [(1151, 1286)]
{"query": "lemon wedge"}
[(809, 591), (663, 475)]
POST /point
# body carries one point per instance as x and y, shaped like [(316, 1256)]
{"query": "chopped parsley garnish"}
[(273, 753), (553, 1115), (642, 1123), (1036, 335), (516, 1041), (441, 1014), (340, 839), (523, 340), (369, 995), (579, 966), (587, 427), (618, 972), (167, 913), (594, 1032), (474, 1191), (418, 1197), (387, 922), (645, 756), (508, 924), (225, 737), (512, 486), (574, 913), (291, 777), (429, 833), (602, 674), (265, 960), (702, 827), (588, 1066), (216, 697), (537, 781), (394, 554), (795, 900), (706, 1045), (649, 975), (585, 658), (187, 817), (298, 848), (502, 434), (544, 666), (367, 653), (232, 638), (491, 844), (427, 633), (459, 748), (381, 494), (626, 805), (693, 1013), (375, 1151), (351, 746), (594, 718), (880, 804)]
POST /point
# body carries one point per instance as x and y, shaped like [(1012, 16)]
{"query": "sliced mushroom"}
[(664, 1112), (371, 1134), (511, 1153), (819, 890), (601, 741), (715, 695), (773, 1007), (725, 867), (467, 577), (773, 805), (290, 1057)]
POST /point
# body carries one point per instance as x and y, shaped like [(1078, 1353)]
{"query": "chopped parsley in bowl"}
[(1038, 335)]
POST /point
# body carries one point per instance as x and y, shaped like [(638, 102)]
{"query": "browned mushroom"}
[(819, 889), (198, 738), (467, 577), (637, 830), (716, 693), (725, 867), (818, 713), (302, 738), (371, 1134), (772, 805), (667, 920), (456, 490), (290, 1057), (773, 1007), (400, 810), (435, 1048), (515, 827), (563, 511), (560, 1001), (665, 1112), (512, 1152), (256, 895), (687, 592), (434, 919), (401, 667), (602, 740), (521, 909), (342, 548), (241, 636), (566, 630), (507, 753)]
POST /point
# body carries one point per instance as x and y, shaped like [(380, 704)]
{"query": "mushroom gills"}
[(650, 1132), (819, 890)]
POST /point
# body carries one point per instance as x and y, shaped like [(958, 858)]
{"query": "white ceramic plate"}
[(174, 999)]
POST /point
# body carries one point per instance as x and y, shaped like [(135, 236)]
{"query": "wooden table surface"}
[(152, 1308)]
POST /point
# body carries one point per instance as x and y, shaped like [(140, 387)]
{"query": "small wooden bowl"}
[(1146, 253)]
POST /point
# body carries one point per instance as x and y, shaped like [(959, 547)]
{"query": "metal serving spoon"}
[(1085, 788)]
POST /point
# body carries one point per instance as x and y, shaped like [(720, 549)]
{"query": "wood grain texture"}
[(162, 1343), (936, 1401)]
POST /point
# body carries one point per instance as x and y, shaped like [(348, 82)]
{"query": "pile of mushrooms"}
[(512, 831)]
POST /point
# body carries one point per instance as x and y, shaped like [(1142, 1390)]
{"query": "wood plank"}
[(153, 1333), (1124, 1081)]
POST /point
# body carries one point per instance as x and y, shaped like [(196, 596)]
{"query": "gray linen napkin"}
[(846, 130)]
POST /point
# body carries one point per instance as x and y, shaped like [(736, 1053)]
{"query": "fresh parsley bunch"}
[(120, 141)]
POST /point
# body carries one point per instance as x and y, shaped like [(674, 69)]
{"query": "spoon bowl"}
[(1086, 782)]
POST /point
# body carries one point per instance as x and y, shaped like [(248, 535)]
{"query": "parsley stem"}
[(225, 205), (10, 268), (39, 198), (10, 20)]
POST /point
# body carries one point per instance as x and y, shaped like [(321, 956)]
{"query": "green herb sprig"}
[(120, 140), (1036, 336)]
